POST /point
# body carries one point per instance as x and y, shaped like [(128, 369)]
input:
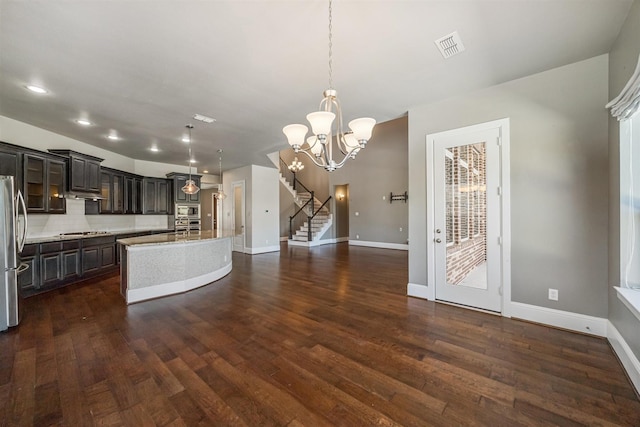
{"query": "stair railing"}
[(313, 215), (311, 200)]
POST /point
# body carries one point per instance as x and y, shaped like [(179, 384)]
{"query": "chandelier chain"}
[(330, 48)]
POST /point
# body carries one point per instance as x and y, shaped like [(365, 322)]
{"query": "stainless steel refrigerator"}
[(13, 232)]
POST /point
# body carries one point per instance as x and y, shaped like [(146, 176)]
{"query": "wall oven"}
[(186, 218)]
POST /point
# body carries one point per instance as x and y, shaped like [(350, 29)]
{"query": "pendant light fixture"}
[(190, 186), (220, 194), (319, 146)]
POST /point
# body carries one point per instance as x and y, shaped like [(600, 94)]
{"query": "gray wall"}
[(559, 181), (379, 169), (622, 61)]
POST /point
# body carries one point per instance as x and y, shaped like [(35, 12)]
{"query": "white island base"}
[(165, 264)]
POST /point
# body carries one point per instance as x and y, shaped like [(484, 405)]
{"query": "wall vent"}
[(450, 45)]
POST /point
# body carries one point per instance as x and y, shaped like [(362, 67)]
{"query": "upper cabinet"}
[(44, 183), (83, 171), (10, 162), (156, 196), (178, 180), (112, 191)]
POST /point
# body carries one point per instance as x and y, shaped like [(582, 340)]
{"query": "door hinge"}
[(500, 240), (499, 141), (499, 191)]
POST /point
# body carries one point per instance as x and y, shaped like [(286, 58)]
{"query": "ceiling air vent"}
[(450, 45), (204, 118)]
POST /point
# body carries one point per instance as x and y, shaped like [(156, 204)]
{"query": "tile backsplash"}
[(44, 225)]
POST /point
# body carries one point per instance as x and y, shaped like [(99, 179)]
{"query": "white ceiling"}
[(144, 68)]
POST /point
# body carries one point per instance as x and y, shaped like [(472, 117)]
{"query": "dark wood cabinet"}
[(83, 171), (59, 262), (44, 183), (132, 194), (112, 192), (156, 196), (98, 254), (179, 180), (10, 163), (29, 280)]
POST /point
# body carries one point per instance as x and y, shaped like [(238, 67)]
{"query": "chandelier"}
[(326, 126), (296, 166), (220, 194), (190, 186)]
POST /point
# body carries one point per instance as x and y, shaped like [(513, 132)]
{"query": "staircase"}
[(319, 224)]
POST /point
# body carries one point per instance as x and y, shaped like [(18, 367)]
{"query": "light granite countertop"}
[(168, 238), (61, 237)]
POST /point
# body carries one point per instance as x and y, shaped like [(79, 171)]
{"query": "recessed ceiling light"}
[(185, 139), (113, 137), (205, 171), (193, 161), (36, 89), (83, 122), (154, 149)]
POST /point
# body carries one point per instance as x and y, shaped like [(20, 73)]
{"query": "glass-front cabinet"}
[(44, 181)]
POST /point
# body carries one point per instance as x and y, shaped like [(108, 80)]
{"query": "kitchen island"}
[(165, 264)]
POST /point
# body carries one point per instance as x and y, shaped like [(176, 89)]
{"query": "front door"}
[(238, 216), (467, 217)]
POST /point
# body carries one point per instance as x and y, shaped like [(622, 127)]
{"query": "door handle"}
[(23, 267), (438, 240)]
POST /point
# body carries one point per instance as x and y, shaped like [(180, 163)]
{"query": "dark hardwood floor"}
[(315, 337)]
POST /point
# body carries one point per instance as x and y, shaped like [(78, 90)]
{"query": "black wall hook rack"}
[(398, 197)]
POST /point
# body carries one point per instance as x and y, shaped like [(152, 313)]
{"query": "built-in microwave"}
[(187, 211)]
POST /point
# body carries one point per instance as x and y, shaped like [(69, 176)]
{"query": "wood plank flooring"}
[(315, 337)]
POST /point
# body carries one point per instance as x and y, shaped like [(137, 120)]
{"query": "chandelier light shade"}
[(326, 127), (220, 194), (190, 186)]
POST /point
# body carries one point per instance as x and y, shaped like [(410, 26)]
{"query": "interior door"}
[(238, 216), (467, 219)]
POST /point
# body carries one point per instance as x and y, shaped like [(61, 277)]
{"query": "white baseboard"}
[(165, 289), (417, 291), (381, 245), (262, 250), (560, 319), (625, 354), (316, 242)]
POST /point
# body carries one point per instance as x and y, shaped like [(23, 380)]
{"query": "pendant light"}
[(326, 126), (220, 194), (190, 186)]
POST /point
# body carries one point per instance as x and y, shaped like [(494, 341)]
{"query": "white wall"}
[(559, 181), (261, 206), (264, 218)]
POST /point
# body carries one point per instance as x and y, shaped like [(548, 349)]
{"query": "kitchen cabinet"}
[(59, 263), (98, 254), (10, 164), (112, 192), (44, 183), (132, 194), (83, 171), (29, 280), (179, 180), (156, 196)]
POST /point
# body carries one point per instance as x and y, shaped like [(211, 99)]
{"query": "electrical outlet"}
[(357, 236), (553, 294), (400, 228)]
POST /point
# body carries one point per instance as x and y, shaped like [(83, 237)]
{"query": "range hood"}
[(82, 195)]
